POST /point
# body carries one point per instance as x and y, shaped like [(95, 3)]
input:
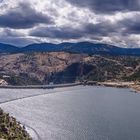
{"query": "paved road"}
[(40, 86)]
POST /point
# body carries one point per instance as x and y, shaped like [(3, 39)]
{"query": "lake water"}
[(75, 113)]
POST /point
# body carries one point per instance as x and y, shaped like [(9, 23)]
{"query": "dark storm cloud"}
[(17, 41), (57, 32), (106, 20), (108, 6), (131, 25), (87, 30), (100, 29), (24, 16), (10, 33), (12, 37), (7, 34)]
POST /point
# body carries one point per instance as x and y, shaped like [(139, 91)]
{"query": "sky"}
[(115, 22)]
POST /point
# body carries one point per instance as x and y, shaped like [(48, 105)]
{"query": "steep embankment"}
[(10, 129)]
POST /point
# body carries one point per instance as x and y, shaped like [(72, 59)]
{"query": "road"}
[(40, 86)]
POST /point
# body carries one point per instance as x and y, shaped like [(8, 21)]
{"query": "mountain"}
[(35, 68), (43, 47), (47, 47), (80, 47), (5, 48), (62, 67)]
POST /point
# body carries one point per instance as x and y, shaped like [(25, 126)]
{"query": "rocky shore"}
[(134, 85), (10, 129), (136, 88)]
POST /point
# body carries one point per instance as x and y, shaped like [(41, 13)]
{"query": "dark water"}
[(79, 113)]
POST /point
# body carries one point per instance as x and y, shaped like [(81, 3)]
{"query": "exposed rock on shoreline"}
[(133, 85)]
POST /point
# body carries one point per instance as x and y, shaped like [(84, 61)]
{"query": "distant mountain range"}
[(80, 47)]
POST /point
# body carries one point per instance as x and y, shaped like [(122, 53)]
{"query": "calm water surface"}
[(76, 113)]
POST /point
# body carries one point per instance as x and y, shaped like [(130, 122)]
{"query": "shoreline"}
[(41, 86), (10, 128), (131, 85)]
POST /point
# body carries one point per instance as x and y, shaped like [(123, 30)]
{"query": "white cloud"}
[(74, 17)]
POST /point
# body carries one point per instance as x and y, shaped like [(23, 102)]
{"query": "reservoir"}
[(75, 113)]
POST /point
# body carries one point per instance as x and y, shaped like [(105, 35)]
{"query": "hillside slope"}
[(80, 48), (10, 129), (61, 67), (5, 48)]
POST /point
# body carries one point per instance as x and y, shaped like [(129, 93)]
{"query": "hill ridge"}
[(79, 47)]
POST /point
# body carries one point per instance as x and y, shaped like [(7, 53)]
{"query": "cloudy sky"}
[(114, 22)]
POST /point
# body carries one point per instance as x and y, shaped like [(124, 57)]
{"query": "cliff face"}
[(61, 67)]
